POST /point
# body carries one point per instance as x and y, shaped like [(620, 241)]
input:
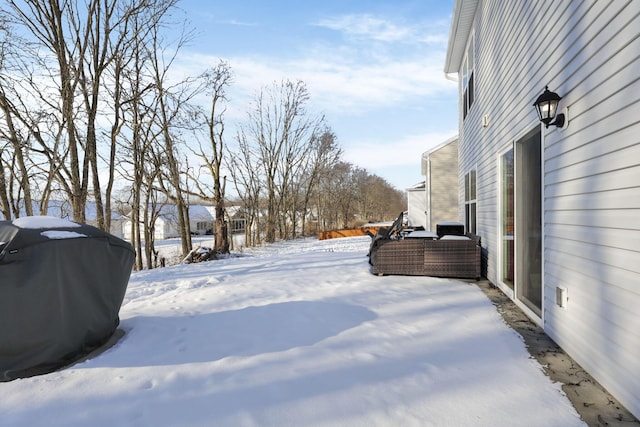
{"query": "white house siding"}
[(442, 183), (201, 219), (163, 229), (417, 205), (589, 53)]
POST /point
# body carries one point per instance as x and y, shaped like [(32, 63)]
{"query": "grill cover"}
[(61, 288)]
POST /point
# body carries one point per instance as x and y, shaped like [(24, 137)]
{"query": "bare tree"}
[(5, 206), (53, 25), (341, 194), (281, 129), (349, 196), (324, 153), (77, 45), (211, 153), (246, 175), (134, 134), (16, 151), (13, 143), (172, 101)]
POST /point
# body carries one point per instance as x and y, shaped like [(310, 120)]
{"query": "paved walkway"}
[(596, 406)]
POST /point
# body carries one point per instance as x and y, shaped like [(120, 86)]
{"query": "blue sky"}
[(373, 68)]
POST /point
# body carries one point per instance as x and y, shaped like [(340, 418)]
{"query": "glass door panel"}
[(528, 222), (507, 217)]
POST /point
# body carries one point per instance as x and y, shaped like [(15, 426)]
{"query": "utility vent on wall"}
[(561, 297)]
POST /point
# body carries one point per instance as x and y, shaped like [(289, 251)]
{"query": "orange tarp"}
[(332, 234)]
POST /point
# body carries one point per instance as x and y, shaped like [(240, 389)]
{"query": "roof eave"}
[(464, 12), (439, 146)]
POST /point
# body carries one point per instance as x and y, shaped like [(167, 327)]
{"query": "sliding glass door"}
[(529, 221), (520, 222)]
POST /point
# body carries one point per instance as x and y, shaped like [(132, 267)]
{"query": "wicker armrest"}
[(405, 257), (452, 258)]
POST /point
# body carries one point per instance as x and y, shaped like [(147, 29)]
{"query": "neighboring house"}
[(117, 220), (557, 208), (417, 205), (201, 221), (238, 221), (440, 169), (63, 209), (165, 227)]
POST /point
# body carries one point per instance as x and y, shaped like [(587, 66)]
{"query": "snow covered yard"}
[(298, 334)]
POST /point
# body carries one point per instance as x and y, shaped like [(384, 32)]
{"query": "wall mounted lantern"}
[(547, 107)]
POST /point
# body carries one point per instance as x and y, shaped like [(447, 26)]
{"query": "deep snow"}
[(298, 334)]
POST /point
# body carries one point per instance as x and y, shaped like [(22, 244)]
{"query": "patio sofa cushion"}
[(449, 228)]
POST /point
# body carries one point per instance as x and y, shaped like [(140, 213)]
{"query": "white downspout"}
[(428, 188)]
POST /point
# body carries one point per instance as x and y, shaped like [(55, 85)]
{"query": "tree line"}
[(92, 111)]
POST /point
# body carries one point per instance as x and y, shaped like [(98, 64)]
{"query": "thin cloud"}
[(406, 150), (239, 23), (369, 27), (336, 84), (353, 76), (344, 86), (366, 27)]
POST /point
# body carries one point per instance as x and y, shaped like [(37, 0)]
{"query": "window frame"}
[(471, 201), (468, 74)]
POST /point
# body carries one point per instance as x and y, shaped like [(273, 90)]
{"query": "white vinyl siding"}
[(442, 184), (416, 206), (592, 203), (589, 53)]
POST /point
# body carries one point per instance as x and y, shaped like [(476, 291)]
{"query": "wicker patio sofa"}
[(457, 257)]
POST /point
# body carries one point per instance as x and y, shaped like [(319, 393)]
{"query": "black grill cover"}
[(61, 289)]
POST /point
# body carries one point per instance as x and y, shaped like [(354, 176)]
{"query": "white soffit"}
[(464, 13)]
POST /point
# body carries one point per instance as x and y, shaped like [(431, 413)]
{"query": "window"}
[(470, 201), (204, 225), (238, 225), (468, 79)]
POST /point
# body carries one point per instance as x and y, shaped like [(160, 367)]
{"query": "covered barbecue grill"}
[(61, 288)]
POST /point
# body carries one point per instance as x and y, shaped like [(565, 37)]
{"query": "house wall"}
[(417, 205), (162, 230), (201, 219), (116, 228), (443, 185), (589, 53)]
